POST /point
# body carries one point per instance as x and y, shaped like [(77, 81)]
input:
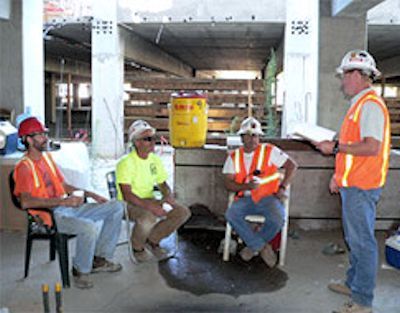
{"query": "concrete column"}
[(337, 36), (107, 82), (21, 61), (300, 64), (33, 57)]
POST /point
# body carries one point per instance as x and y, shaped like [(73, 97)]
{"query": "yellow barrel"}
[(188, 120)]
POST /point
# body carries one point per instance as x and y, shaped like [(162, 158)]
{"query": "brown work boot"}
[(81, 280), (142, 255), (340, 288), (352, 307), (102, 265), (160, 253), (247, 254), (268, 255)]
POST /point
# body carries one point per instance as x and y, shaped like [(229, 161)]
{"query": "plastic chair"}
[(260, 219), (38, 231)]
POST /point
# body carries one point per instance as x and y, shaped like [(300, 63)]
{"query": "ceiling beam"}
[(390, 67), (73, 67), (150, 55), (352, 8)]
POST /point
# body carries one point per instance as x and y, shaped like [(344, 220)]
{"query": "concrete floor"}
[(141, 288)]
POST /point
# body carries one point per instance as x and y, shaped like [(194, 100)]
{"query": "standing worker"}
[(362, 158), (252, 173)]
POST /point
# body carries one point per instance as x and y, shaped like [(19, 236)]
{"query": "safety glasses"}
[(149, 139)]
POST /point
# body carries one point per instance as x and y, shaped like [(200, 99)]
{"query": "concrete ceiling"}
[(209, 46), (219, 46)]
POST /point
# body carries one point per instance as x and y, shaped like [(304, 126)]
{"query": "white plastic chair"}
[(260, 219)]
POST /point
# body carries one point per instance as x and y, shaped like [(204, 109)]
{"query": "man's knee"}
[(88, 229), (146, 220), (117, 207), (182, 212)]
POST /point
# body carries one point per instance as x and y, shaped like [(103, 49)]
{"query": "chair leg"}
[(62, 248), (52, 248), (227, 242), (27, 254), (284, 232)]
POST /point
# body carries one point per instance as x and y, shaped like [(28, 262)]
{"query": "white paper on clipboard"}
[(313, 132)]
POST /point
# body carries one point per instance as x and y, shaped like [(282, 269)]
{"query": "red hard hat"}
[(29, 126)]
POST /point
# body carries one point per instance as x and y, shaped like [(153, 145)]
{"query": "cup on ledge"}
[(78, 193)]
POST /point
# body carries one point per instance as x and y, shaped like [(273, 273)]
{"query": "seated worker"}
[(40, 184), (252, 173), (137, 174)]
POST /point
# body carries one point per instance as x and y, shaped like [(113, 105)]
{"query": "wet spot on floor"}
[(199, 269)]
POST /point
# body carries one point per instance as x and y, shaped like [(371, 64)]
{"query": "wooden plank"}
[(193, 84), (162, 123), (162, 111), (158, 97)]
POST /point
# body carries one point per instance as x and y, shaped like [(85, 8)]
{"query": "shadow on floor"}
[(199, 269)]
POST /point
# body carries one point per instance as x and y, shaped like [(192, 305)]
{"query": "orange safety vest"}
[(364, 172), (39, 188), (269, 175)]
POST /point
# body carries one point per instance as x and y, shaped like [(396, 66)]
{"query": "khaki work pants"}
[(149, 227)]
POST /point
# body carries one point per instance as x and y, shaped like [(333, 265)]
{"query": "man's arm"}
[(88, 194), (368, 146), (290, 167), (151, 205), (231, 185), (167, 193), (30, 202)]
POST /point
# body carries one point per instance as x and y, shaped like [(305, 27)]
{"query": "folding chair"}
[(38, 231), (260, 219), (112, 189)]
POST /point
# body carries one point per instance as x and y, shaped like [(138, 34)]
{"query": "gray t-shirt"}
[(372, 119)]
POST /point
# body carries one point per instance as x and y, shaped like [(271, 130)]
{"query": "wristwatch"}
[(282, 187), (335, 149)]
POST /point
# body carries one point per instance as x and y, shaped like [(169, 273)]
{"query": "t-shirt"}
[(277, 158), (24, 179), (141, 174), (372, 119)]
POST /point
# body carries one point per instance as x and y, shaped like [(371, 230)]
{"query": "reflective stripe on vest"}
[(33, 169), (268, 177)]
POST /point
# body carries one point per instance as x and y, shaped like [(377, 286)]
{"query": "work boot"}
[(247, 254), (160, 253), (142, 255), (352, 307), (81, 280), (268, 255), (102, 265), (340, 288)]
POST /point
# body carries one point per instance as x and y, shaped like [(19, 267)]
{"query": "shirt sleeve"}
[(123, 172), (23, 180), (372, 121), (278, 157), (162, 174), (228, 166)]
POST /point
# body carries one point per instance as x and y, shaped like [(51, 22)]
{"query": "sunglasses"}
[(38, 134), (149, 139)]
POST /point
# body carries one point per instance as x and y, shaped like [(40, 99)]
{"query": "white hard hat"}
[(250, 126), (359, 60), (138, 127)]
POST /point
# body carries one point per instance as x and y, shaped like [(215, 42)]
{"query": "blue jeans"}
[(270, 207), (358, 218), (82, 222)]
